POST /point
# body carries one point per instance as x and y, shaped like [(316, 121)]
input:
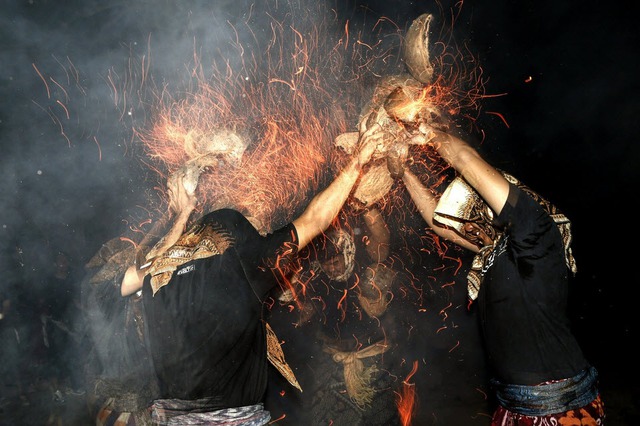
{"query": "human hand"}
[(181, 189), (370, 141), (423, 134)]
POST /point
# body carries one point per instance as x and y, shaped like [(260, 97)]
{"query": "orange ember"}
[(285, 105), (260, 124)]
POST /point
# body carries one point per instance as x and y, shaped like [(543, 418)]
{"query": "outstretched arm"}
[(482, 176), (324, 207)]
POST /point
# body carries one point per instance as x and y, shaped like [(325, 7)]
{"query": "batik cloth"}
[(591, 414), (549, 397), (460, 203), (177, 412)]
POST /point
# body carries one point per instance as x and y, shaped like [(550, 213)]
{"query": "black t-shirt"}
[(205, 327), (523, 299)]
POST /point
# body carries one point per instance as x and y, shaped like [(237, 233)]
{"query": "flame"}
[(282, 417), (406, 399)]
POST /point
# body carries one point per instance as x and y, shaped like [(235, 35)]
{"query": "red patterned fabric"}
[(589, 415)]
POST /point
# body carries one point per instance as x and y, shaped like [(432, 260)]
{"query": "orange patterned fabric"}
[(589, 415)]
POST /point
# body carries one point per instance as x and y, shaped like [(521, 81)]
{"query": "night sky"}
[(565, 76)]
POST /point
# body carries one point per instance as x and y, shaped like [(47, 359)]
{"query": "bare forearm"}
[(171, 236), (134, 276), (422, 197), (482, 176), (325, 206), (426, 203)]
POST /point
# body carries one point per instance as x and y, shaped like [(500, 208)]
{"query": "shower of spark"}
[(288, 106), (285, 106)]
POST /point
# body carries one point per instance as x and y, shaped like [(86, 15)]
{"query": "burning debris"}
[(401, 105)]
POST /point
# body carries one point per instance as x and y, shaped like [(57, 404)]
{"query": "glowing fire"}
[(287, 118), (287, 111), (406, 400)]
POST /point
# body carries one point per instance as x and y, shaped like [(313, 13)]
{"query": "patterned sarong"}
[(176, 412), (551, 397), (591, 414)]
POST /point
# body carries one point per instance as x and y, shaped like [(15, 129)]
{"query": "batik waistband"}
[(549, 398), (176, 412)]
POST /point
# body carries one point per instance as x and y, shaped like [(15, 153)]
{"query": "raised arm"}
[(182, 204), (324, 207), (426, 202), (482, 176)]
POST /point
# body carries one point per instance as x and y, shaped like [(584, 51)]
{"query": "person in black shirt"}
[(520, 278), (203, 293)]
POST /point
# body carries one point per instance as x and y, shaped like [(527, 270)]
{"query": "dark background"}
[(568, 73)]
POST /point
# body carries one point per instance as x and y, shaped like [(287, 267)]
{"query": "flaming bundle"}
[(401, 105)]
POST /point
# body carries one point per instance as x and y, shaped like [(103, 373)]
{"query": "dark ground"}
[(620, 395)]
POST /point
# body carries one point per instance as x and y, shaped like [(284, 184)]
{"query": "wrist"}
[(184, 215)]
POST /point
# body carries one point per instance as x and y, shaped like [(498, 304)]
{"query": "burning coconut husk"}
[(401, 106)]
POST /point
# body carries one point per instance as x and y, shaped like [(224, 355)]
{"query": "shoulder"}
[(517, 204), (523, 201), (526, 219), (230, 219), (225, 214), (227, 224)]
